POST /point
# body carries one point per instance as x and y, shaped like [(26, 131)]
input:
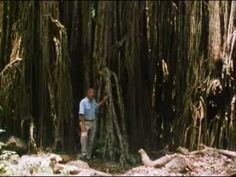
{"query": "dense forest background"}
[(167, 68)]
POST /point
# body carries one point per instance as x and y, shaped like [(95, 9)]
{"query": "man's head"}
[(90, 93)]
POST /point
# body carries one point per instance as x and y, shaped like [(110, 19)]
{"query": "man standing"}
[(88, 122)]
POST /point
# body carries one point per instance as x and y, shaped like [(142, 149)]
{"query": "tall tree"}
[(166, 67)]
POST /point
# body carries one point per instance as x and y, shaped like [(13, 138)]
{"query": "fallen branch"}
[(228, 153), (179, 165), (173, 163), (182, 150), (157, 163), (185, 151)]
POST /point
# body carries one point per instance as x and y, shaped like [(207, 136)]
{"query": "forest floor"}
[(210, 163)]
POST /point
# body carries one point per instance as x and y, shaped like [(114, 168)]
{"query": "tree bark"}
[(168, 73), (214, 42)]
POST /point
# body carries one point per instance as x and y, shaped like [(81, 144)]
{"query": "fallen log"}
[(174, 162), (84, 166), (178, 165), (206, 149), (16, 144), (156, 163), (228, 153), (185, 151)]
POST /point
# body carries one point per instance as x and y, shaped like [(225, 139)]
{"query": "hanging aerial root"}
[(115, 112)]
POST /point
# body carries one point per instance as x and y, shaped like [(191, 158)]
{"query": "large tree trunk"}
[(160, 63), (112, 125), (214, 31), (38, 67)]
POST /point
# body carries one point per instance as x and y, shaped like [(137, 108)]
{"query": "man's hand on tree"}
[(102, 101), (104, 98)]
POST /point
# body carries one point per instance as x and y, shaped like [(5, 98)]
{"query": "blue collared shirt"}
[(88, 108)]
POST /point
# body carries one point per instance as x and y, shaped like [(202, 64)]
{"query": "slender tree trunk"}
[(214, 31)]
